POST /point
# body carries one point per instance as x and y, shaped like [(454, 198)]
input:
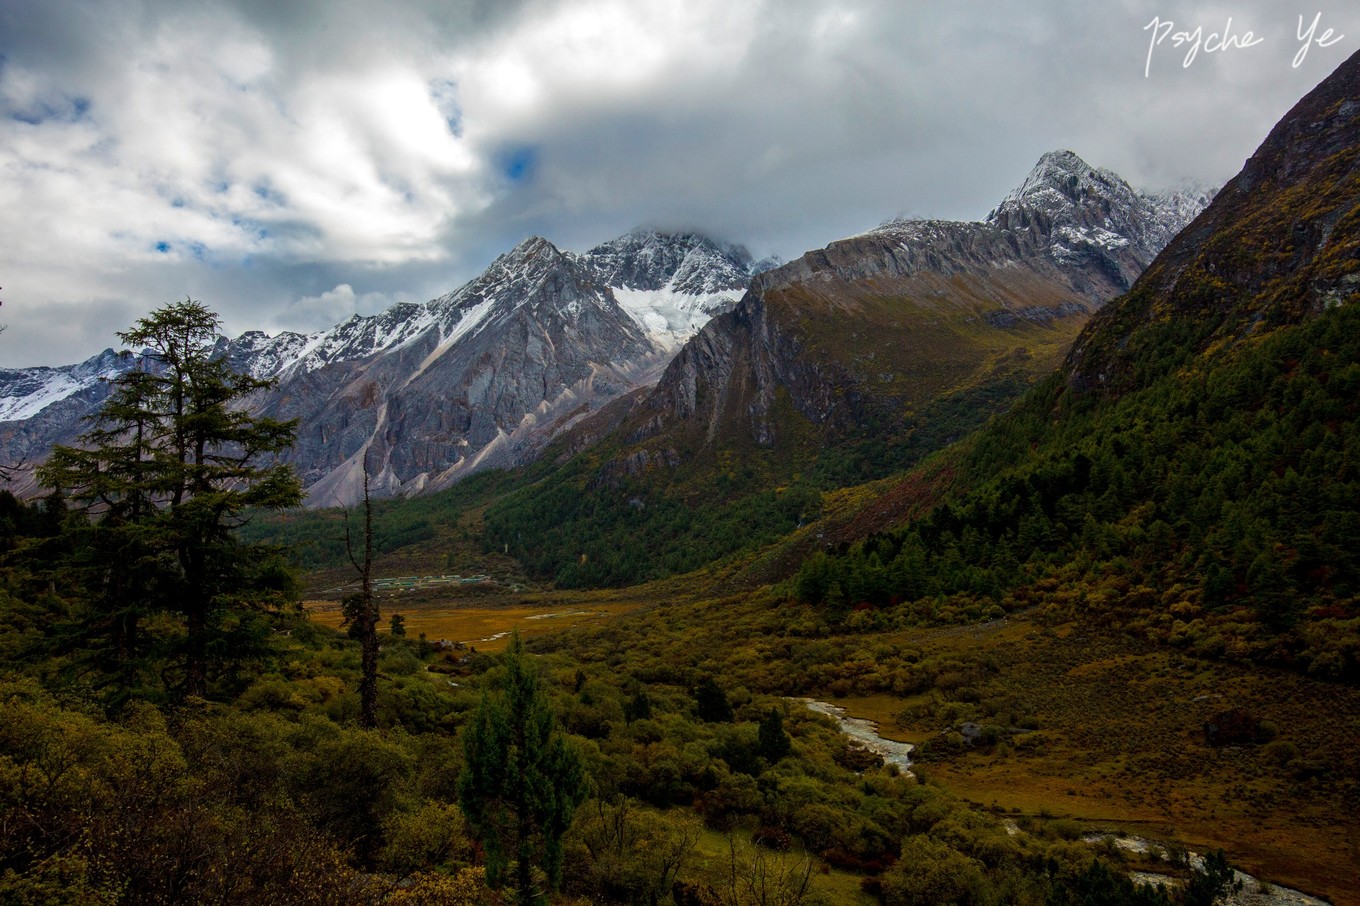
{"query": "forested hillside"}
[(1194, 464)]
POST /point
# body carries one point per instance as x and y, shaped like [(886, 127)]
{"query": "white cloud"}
[(281, 161), (313, 313)]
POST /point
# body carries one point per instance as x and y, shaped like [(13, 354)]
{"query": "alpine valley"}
[(1000, 562)]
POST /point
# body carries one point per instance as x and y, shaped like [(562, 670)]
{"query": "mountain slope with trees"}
[(1193, 465)]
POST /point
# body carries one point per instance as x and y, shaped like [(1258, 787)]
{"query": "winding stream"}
[(865, 732), (1254, 893)]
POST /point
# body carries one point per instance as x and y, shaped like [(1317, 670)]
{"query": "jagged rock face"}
[(487, 375), (688, 262), (1089, 217), (1277, 245), (520, 343), (421, 395), (915, 298)]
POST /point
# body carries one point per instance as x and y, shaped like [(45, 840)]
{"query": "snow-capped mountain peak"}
[(671, 284), (1081, 209), (1062, 181), (687, 262)]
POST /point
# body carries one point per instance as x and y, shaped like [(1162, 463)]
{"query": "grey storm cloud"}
[(292, 163)]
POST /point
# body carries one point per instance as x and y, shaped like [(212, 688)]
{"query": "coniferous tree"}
[(1210, 882), (639, 707), (521, 780), (165, 473), (113, 560), (711, 702), (773, 740)]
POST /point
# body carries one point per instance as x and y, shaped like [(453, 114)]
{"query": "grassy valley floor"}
[(1113, 727), (1121, 744)]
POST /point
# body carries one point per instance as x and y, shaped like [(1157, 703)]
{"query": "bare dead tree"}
[(361, 610), (756, 877)]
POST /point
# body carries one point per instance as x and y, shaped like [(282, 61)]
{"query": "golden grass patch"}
[(486, 628)]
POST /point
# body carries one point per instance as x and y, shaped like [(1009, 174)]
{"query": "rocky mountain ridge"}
[(850, 364), (1066, 240), (421, 394)]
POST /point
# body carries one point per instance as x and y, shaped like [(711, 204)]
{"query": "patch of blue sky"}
[(444, 93), (198, 251), (518, 164), (268, 193), (251, 228), (63, 110)]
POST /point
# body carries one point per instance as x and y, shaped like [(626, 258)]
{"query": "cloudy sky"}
[(291, 163)]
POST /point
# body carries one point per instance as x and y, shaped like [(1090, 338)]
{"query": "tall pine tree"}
[(361, 614), (166, 472), (521, 780)]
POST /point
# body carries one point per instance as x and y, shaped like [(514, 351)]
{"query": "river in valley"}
[(865, 732)]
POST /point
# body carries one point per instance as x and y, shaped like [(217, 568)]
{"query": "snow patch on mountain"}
[(262, 356), (686, 262), (25, 392), (36, 393), (468, 320), (670, 284), (670, 318), (357, 338)]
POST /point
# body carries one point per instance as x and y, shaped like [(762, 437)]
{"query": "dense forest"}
[(1216, 509), (579, 531)]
